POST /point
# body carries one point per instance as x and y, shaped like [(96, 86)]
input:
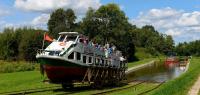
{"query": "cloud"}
[(79, 6), (42, 19), (4, 12), (173, 32), (180, 24)]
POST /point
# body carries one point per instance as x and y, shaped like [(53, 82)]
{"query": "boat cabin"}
[(67, 36)]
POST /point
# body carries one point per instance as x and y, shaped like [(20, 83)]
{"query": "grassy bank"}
[(21, 80), (182, 84), (17, 66)]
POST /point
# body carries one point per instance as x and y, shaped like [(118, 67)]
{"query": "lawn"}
[(21, 80), (182, 84)]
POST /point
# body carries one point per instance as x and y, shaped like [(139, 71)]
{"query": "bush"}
[(8, 67)]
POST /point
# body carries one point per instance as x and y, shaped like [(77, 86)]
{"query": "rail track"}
[(45, 89), (29, 91), (142, 93)]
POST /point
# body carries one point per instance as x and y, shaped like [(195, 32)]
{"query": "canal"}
[(157, 72)]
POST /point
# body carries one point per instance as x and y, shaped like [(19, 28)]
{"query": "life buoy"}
[(62, 44)]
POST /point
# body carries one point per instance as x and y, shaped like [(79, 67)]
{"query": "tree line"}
[(188, 48), (108, 24)]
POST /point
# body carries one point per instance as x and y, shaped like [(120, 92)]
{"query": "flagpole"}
[(43, 41)]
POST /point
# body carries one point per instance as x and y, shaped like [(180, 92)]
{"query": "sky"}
[(178, 18)]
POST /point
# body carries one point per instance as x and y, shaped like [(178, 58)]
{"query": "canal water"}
[(157, 72)]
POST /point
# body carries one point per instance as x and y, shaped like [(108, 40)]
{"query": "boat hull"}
[(62, 74), (62, 71)]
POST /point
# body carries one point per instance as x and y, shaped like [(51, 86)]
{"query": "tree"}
[(70, 19), (109, 24), (60, 21)]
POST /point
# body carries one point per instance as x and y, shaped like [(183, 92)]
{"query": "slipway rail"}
[(132, 86), (29, 91)]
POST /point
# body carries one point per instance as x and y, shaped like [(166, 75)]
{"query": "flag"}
[(47, 38)]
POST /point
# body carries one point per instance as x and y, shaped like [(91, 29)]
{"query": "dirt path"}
[(195, 88), (139, 67)]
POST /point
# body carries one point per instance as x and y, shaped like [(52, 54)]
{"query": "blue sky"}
[(179, 18)]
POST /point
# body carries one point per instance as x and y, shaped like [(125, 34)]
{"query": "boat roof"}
[(68, 33)]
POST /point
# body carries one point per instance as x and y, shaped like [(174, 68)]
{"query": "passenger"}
[(90, 43), (96, 45), (110, 50), (99, 47), (113, 48), (85, 42), (106, 52)]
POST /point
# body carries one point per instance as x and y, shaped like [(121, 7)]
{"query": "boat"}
[(73, 58), (171, 60)]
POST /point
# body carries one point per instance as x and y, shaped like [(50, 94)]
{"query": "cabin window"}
[(71, 38), (90, 60), (78, 56), (61, 38), (102, 62), (71, 56), (98, 60), (106, 62), (84, 59)]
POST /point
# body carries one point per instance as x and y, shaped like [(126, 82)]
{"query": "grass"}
[(199, 92), (17, 66), (136, 90), (182, 84), (21, 80)]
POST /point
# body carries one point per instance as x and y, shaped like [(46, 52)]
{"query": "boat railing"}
[(48, 52), (40, 51)]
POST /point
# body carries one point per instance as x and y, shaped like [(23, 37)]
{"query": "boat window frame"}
[(66, 36)]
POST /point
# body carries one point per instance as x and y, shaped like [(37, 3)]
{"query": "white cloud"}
[(42, 19), (3, 12), (173, 32), (79, 6), (180, 24)]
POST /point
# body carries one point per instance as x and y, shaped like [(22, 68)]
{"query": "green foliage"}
[(155, 42), (8, 67), (61, 21), (142, 53), (20, 44), (190, 48), (109, 24)]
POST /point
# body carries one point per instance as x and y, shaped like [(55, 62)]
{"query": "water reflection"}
[(157, 72)]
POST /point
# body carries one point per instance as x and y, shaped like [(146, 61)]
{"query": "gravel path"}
[(195, 88), (139, 67)]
